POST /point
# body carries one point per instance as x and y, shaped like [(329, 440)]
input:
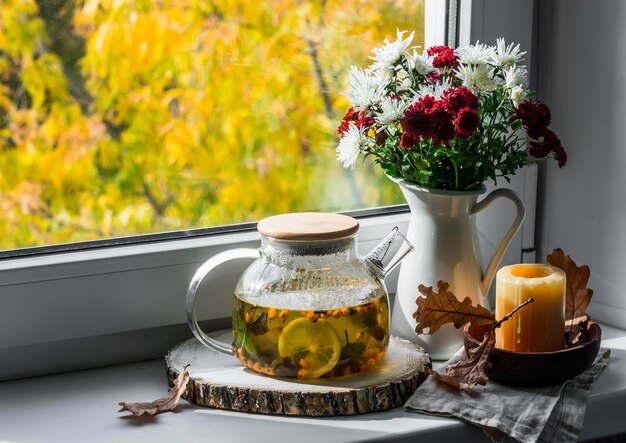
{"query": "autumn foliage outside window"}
[(122, 117)]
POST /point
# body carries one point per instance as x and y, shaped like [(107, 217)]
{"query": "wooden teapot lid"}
[(308, 226)]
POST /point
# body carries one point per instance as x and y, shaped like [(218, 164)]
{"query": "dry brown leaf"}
[(577, 295), (436, 309), (575, 330), (471, 371), (447, 379), (167, 403)]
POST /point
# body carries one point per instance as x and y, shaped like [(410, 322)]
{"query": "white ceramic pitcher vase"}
[(443, 231)]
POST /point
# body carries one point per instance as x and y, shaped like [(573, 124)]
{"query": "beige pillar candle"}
[(540, 326)]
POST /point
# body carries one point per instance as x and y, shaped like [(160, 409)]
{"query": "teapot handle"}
[(202, 272), (506, 240)]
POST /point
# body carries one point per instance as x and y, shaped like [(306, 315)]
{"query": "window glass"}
[(125, 117)]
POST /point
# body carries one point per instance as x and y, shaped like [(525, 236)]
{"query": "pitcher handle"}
[(202, 272), (506, 240)]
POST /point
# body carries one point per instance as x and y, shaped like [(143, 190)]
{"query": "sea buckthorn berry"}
[(304, 363), (303, 374), (344, 311), (371, 362), (272, 313), (369, 353), (379, 357), (257, 367), (336, 313), (249, 317), (283, 314), (312, 316), (268, 370), (250, 364), (360, 335), (277, 330)]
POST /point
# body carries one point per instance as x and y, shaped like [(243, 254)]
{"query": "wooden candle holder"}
[(538, 368)]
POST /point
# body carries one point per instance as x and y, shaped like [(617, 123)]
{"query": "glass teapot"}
[(308, 306)]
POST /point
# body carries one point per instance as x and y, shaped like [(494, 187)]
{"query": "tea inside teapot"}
[(315, 342)]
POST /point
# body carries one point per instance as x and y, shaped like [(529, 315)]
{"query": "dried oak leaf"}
[(167, 403), (447, 379), (577, 295), (435, 309), (575, 328), (470, 371)]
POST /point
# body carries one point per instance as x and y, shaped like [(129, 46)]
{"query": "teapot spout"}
[(374, 260)]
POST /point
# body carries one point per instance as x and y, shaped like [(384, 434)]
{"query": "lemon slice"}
[(316, 342)]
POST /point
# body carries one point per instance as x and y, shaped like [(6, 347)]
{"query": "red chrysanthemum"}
[(444, 57), (556, 147), (428, 101), (560, 155), (466, 122), (364, 120), (350, 116), (408, 141), (441, 124), (538, 149), (381, 138), (416, 121), (535, 117), (548, 142), (459, 98)]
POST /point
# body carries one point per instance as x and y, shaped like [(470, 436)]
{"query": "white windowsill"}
[(81, 406)]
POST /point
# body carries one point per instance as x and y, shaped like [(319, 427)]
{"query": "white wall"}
[(582, 77)]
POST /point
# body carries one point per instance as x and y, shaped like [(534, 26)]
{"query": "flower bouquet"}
[(445, 118)]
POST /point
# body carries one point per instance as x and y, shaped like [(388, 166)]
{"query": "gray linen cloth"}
[(545, 414)]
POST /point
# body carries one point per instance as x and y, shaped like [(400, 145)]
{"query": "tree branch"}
[(159, 207), (328, 108), (319, 75)]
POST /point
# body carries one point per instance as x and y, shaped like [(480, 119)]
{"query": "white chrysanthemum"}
[(421, 63), (515, 76), (350, 146), (477, 78), (392, 110), (365, 89), (478, 54), (385, 56), (435, 90), (517, 95), (506, 56), (404, 81)]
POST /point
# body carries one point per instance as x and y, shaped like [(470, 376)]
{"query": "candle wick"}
[(498, 323)]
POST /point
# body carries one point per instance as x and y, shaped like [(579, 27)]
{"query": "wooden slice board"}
[(220, 381)]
